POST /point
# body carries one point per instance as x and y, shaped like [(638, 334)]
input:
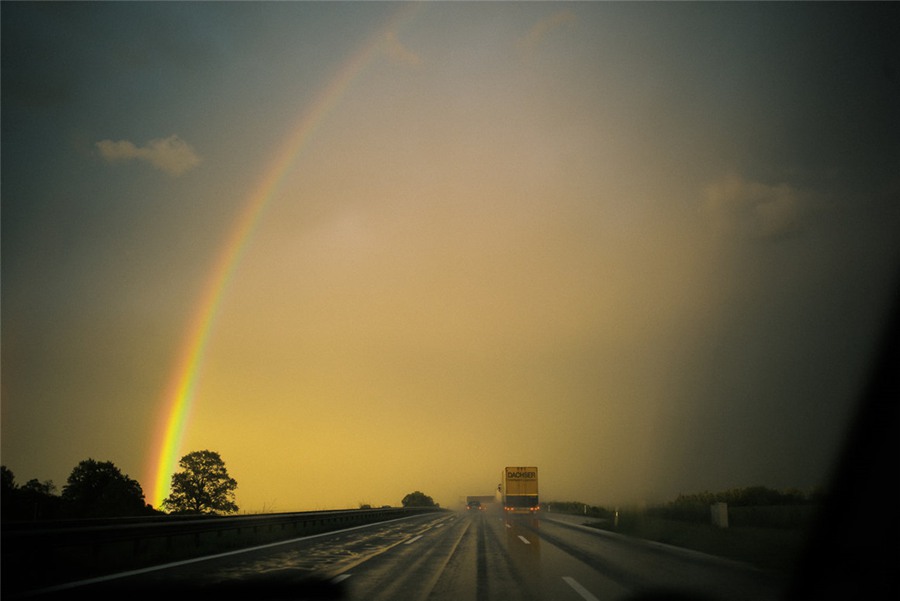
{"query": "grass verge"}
[(774, 549)]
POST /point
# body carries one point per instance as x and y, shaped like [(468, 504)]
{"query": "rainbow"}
[(179, 397)]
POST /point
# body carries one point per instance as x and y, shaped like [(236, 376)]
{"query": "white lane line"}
[(585, 594), (412, 540), (340, 578), (524, 540)]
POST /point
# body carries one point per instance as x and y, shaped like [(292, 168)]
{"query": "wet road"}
[(479, 556)]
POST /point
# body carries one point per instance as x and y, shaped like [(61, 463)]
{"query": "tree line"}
[(751, 496), (100, 489), (694, 507)]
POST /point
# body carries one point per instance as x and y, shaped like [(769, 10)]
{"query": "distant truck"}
[(479, 501), (519, 490)]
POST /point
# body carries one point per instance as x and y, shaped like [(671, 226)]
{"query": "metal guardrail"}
[(43, 553), (105, 530)]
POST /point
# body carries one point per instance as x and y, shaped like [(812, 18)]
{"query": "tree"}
[(417, 499), (8, 493), (203, 485), (99, 489), (39, 501), (34, 500), (7, 479)]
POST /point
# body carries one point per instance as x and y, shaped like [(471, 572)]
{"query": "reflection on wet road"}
[(483, 556)]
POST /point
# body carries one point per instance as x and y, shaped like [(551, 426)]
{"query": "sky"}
[(361, 249)]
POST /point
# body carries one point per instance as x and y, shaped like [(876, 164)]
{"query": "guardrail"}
[(38, 554)]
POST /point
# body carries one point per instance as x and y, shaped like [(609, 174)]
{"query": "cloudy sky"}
[(645, 247)]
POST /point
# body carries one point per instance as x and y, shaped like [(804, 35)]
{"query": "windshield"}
[(368, 254)]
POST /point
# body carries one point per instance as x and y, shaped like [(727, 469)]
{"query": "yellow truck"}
[(520, 490)]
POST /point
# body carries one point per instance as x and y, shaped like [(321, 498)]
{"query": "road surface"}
[(478, 556)]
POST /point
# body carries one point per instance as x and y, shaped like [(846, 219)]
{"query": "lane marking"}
[(585, 594), (340, 578), (524, 540), (412, 540)]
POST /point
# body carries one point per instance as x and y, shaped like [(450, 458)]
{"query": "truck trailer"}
[(520, 490)]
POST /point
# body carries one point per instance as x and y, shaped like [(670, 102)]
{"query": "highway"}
[(477, 555)]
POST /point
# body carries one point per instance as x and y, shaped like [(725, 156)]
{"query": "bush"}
[(577, 508), (777, 516), (694, 508)]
